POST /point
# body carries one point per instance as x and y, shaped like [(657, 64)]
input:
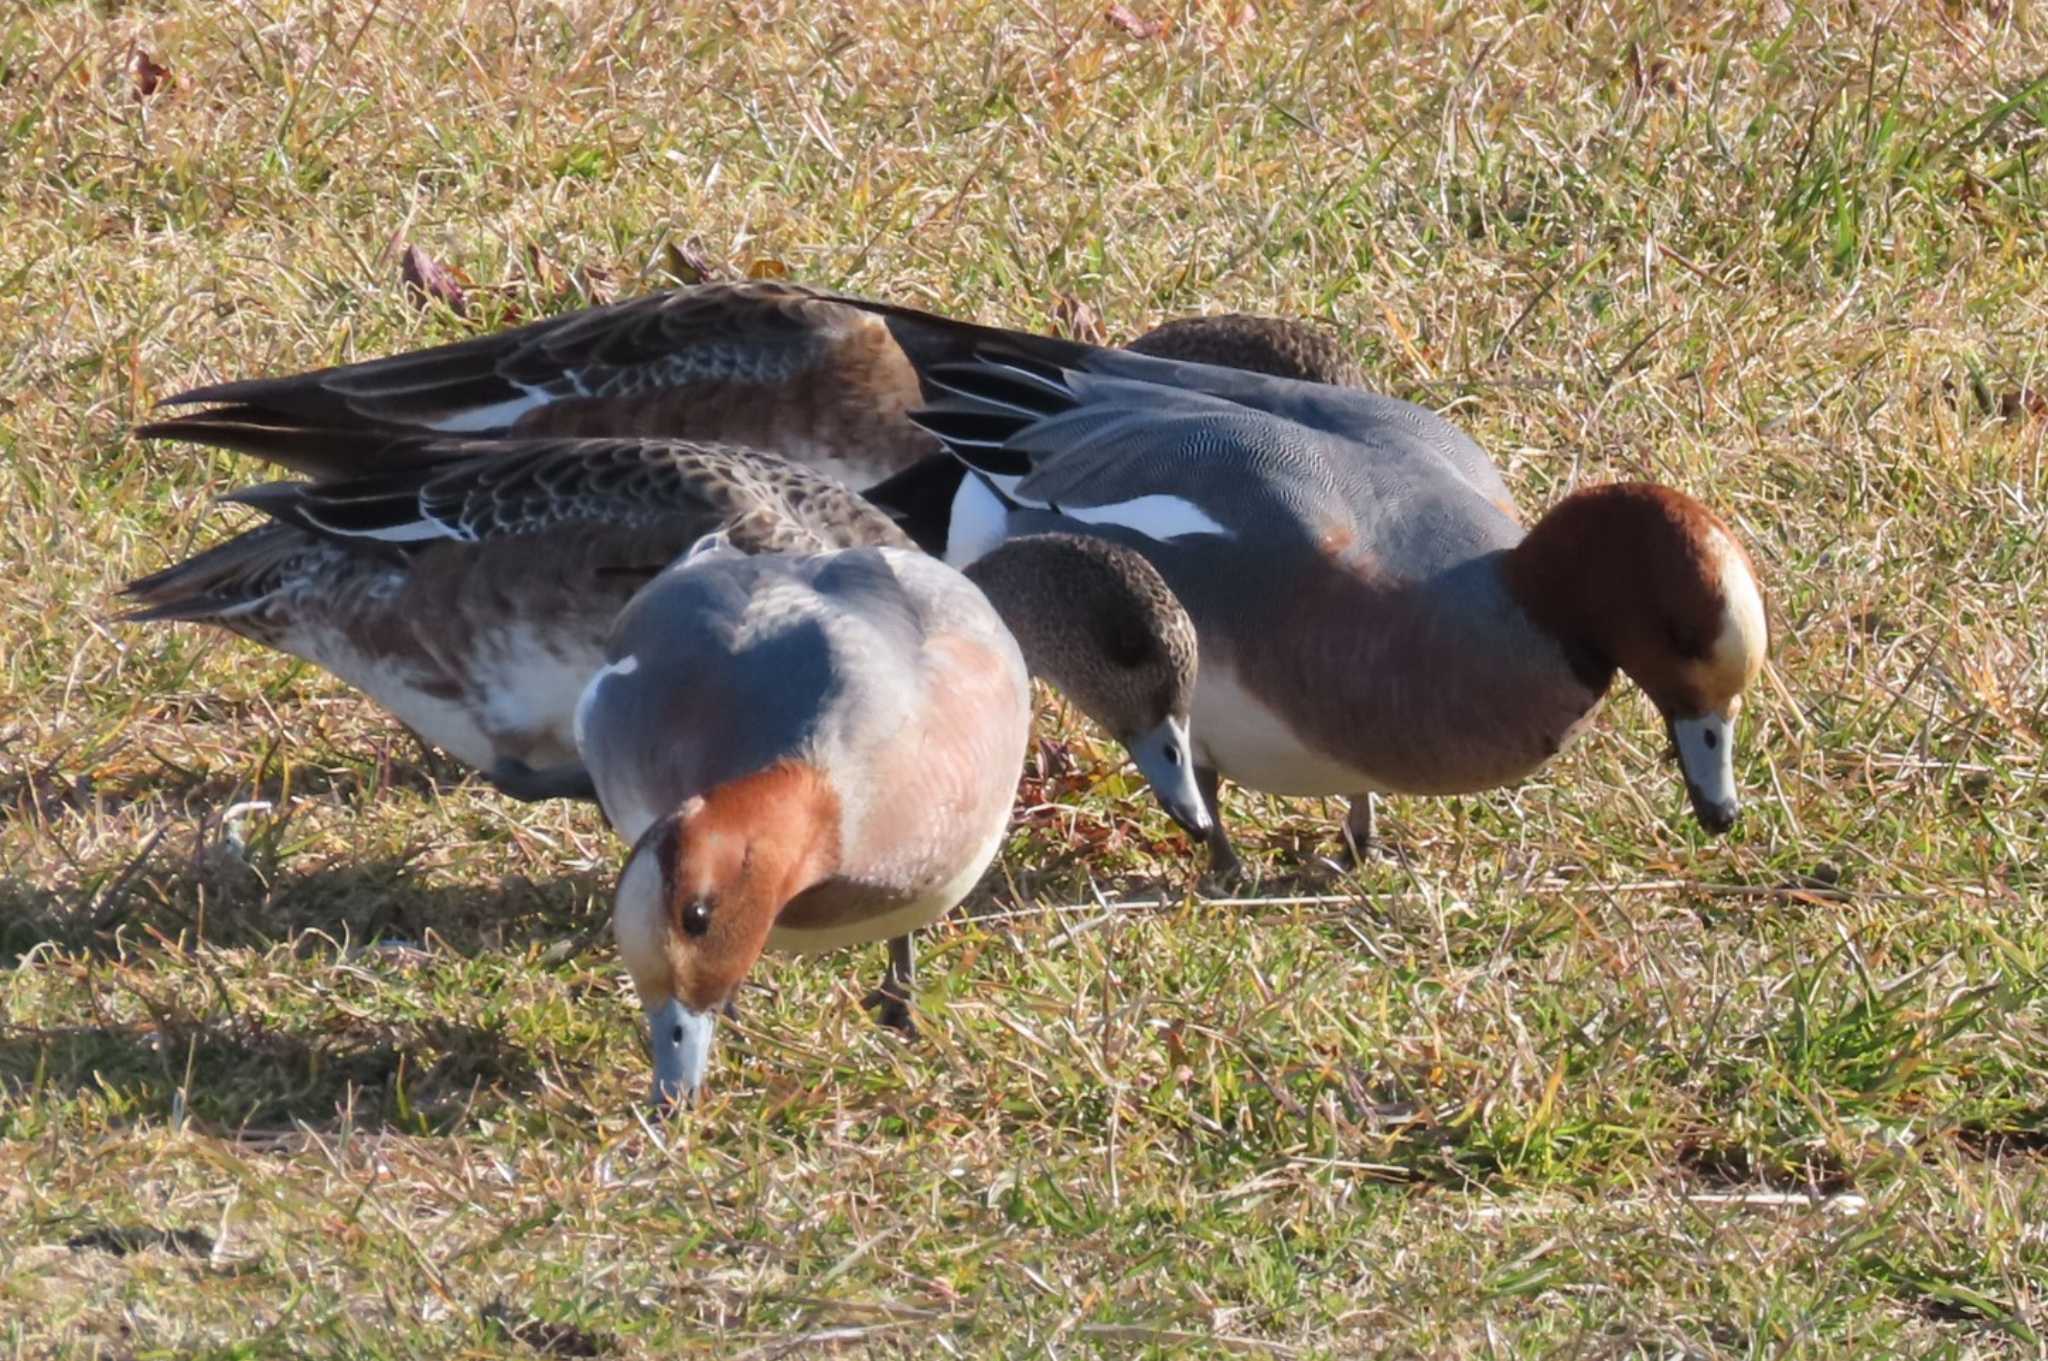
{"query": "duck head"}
[(1098, 621), (697, 899), (1644, 579)]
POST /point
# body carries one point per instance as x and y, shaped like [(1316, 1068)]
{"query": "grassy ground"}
[(1561, 1078)]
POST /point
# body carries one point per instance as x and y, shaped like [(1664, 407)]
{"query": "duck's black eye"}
[(1687, 643), (696, 917), (1126, 641), (1711, 738), (1173, 756)]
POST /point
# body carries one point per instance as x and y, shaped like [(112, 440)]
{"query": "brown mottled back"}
[(1278, 346)]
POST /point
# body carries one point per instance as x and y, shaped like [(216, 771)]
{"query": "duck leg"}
[(891, 1001), (1358, 828), (1224, 866)]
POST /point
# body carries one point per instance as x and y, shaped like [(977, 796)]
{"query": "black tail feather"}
[(920, 499), (978, 438), (315, 450)]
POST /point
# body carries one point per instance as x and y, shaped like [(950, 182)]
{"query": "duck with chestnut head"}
[(1374, 615), (807, 752)]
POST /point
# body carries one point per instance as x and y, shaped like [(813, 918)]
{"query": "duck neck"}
[(1023, 579), (1565, 579)]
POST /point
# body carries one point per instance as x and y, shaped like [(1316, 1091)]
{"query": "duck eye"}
[(1686, 643), (1173, 755), (696, 917)]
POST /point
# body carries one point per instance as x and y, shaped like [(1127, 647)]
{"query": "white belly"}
[(1237, 734), (529, 685), (404, 686)]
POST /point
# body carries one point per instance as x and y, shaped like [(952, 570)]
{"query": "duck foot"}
[(1225, 876), (1360, 844), (891, 1011), (891, 1000)]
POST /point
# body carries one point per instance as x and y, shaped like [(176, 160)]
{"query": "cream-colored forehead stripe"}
[(1739, 646)]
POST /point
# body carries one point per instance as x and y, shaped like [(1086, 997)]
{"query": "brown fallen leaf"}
[(1132, 25), (595, 282), (764, 268), (688, 264), (428, 281), (2021, 403), (541, 269), (145, 75), (1076, 320)]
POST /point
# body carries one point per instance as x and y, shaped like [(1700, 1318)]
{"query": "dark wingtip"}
[(324, 451), (977, 438), (216, 393), (268, 497)]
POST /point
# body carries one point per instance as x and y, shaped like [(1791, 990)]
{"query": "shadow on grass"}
[(237, 1073), (170, 894), (230, 1067), (49, 790)]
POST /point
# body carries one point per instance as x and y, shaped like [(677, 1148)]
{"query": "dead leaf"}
[(1076, 320), (760, 268), (429, 281), (542, 270), (595, 282), (1132, 25), (688, 264), (2017, 403), (145, 75)]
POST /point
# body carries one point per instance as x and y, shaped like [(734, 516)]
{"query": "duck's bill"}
[(1706, 756), (681, 1040), (1166, 758)]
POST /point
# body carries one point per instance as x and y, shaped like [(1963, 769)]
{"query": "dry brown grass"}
[(1565, 1078)]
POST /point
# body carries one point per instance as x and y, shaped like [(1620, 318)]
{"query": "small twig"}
[(1227, 1342), (823, 1336)]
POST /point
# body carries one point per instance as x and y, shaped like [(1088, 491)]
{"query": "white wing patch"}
[(496, 414), (979, 520), (412, 531), (624, 666), (1157, 516)]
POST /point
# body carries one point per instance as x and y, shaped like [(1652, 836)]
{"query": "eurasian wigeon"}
[(807, 752), (470, 589), (764, 365), (1374, 616)]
